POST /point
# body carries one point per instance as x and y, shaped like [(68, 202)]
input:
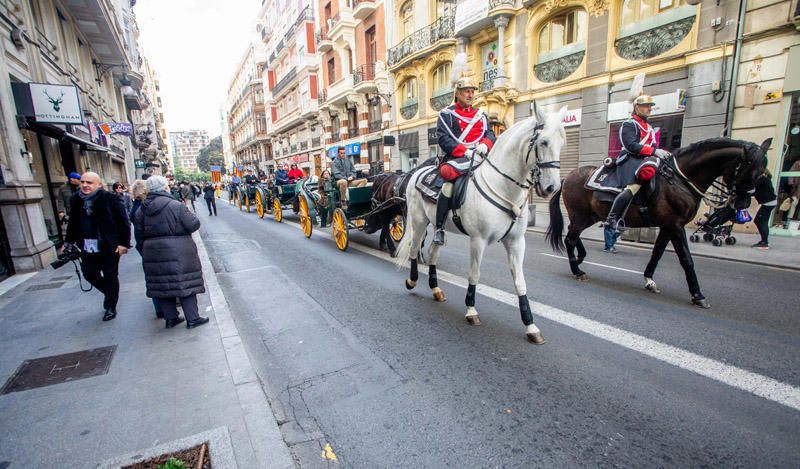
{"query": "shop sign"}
[(669, 103), (573, 117), (489, 60), (139, 164), (300, 158), (352, 148), (469, 12), (433, 137), (55, 104), (332, 152)]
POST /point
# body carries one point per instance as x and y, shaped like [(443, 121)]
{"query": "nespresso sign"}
[(48, 104)]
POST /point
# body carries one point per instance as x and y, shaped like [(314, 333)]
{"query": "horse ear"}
[(765, 145), (562, 113), (537, 111)]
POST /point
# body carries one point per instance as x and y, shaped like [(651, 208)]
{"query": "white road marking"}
[(738, 378), (595, 263)]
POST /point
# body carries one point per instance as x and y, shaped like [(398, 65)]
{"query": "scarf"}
[(88, 200)]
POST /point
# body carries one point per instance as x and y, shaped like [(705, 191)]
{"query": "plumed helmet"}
[(644, 99), (464, 83)]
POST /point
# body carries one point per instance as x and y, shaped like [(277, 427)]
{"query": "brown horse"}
[(388, 190), (681, 184)]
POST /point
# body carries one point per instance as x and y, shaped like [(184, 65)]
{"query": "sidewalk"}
[(161, 385), (784, 252)]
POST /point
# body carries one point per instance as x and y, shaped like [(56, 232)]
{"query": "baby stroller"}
[(716, 227)]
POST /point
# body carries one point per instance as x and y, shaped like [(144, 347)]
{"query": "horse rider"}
[(638, 160), (462, 131)]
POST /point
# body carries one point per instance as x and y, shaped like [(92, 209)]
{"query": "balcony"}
[(284, 82), (99, 23), (375, 126), (409, 108), (364, 78), (303, 145), (486, 85), (441, 98), (322, 97), (363, 8), (324, 44), (426, 39), (338, 91), (315, 142), (342, 28)]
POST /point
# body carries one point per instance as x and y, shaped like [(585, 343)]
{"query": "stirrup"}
[(438, 236)]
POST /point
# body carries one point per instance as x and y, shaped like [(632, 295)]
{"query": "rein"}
[(725, 196)]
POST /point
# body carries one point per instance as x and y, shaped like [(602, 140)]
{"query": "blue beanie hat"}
[(74, 175)]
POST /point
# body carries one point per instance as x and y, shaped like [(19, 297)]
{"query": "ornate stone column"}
[(501, 22)]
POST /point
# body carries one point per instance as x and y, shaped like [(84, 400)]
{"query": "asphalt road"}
[(389, 378)]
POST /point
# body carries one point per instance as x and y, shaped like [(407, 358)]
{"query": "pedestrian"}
[(139, 193), (187, 194), (99, 226), (163, 229), (68, 189), (765, 195), (120, 191), (175, 191), (610, 236), (208, 195)]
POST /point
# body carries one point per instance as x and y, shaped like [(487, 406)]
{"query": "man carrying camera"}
[(99, 227)]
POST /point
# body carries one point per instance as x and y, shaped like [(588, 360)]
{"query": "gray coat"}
[(163, 229), (343, 168)]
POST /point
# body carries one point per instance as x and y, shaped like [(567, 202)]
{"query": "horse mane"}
[(715, 144)]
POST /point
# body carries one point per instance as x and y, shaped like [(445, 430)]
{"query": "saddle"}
[(605, 186), (431, 182)]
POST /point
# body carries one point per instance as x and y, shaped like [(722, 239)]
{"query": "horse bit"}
[(536, 170)]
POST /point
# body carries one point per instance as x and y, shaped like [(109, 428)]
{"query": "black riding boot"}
[(442, 209), (618, 209)]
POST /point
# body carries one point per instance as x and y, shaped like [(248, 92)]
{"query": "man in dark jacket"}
[(344, 173), (282, 175), (208, 195), (163, 228), (99, 226)]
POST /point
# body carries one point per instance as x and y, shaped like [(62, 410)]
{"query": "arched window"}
[(409, 103), (634, 11), (441, 92), (561, 45), (563, 30), (406, 19)]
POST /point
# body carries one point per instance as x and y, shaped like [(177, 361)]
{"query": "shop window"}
[(787, 212)]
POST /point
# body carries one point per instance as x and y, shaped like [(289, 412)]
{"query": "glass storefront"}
[(786, 218)]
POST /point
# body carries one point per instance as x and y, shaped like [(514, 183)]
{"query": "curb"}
[(265, 436), (649, 248)]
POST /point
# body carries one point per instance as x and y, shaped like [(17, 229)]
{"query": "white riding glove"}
[(482, 149), (662, 153)]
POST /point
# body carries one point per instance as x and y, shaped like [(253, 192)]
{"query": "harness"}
[(714, 201), (513, 212)]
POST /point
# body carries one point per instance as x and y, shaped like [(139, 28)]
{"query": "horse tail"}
[(555, 231)]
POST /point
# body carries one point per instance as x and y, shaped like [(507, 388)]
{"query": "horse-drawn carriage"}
[(285, 196)]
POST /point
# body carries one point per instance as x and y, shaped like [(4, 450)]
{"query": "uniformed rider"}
[(637, 162), (461, 130)]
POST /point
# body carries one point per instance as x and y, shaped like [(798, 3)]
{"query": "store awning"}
[(60, 134), (91, 146)]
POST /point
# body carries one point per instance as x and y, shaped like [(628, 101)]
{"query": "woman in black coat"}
[(163, 229)]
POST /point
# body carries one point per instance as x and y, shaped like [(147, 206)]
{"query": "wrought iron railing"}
[(441, 98), (293, 148), (409, 108), (315, 142), (499, 3), (365, 72), (558, 69), (486, 85), (375, 126), (303, 145), (284, 81), (322, 97), (335, 19), (653, 42), (356, 2), (442, 28)]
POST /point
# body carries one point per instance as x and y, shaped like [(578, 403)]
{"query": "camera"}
[(71, 253)]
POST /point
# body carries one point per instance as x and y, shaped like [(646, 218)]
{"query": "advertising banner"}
[(56, 104)]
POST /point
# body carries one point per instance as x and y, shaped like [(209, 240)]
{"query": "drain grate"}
[(44, 286), (57, 369)]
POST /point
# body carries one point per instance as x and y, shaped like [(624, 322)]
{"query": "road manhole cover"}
[(57, 369), (44, 286)]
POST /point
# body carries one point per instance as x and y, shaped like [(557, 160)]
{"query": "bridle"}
[(536, 170), (725, 195)]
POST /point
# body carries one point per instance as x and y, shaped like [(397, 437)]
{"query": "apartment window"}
[(331, 71), (409, 89), (335, 127), (441, 77), (445, 8), (372, 46), (352, 122), (562, 30), (407, 19), (636, 10), (375, 115)]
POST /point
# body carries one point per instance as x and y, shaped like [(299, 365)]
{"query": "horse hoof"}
[(582, 277), (652, 288), (410, 284), (393, 253), (438, 295), (536, 338), (474, 320), (701, 302)]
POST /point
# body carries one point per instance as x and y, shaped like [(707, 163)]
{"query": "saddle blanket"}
[(430, 183)]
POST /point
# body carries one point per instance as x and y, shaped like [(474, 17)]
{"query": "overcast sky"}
[(194, 47)]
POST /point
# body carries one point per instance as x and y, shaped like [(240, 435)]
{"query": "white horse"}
[(495, 207)]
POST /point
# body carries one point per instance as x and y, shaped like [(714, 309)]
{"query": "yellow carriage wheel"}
[(247, 203), (259, 205), (396, 229), (239, 201), (276, 207), (305, 217), (339, 226)]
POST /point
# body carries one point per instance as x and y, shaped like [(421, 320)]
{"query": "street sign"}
[(139, 163)]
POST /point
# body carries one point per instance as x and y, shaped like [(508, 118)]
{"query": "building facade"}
[(185, 146), (247, 120), (291, 84), (70, 80), (151, 130), (355, 85)]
